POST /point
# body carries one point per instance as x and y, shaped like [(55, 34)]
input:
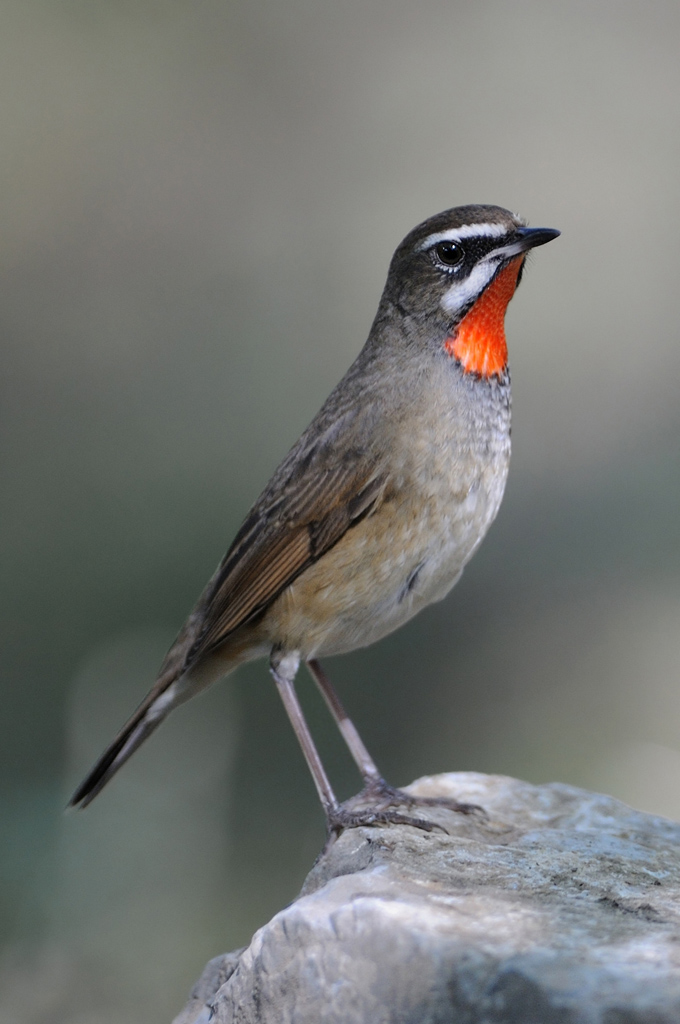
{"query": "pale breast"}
[(449, 464)]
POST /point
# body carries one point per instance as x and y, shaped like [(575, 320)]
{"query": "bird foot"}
[(382, 791), (379, 804), (344, 817)]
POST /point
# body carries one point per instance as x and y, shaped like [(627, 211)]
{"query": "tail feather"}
[(148, 717), (174, 686)]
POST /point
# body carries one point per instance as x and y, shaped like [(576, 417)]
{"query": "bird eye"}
[(450, 253)]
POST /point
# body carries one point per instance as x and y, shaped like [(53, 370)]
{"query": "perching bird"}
[(376, 509)]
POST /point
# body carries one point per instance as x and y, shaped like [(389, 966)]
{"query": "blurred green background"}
[(198, 204)]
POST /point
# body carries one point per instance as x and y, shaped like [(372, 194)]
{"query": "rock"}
[(552, 906)]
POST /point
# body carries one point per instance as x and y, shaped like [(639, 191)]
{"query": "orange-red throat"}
[(478, 342)]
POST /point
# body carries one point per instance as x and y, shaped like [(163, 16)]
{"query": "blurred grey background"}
[(198, 204)]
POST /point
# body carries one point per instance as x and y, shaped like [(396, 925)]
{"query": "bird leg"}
[(375, 789), (284, 668), (355, 744)]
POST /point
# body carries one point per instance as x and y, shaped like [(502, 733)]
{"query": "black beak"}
[(529, 238), (525, 239)]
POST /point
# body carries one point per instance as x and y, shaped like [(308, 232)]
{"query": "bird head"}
[(456, 273)]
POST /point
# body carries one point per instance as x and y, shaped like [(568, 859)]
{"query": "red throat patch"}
[(478, 343)]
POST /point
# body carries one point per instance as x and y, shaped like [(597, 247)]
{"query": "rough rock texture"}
[(555, 906)]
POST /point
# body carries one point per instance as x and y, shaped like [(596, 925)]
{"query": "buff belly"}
[(383, 571)]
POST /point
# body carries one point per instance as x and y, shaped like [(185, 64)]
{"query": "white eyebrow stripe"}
[(466, 231)]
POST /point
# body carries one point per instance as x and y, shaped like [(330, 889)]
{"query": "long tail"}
[(148, 716), (171, 688), (176, 683)]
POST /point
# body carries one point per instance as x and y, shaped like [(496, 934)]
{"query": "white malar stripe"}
[(458, 295), (466, 231)]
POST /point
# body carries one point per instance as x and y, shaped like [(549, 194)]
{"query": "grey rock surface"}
[(554, 906)]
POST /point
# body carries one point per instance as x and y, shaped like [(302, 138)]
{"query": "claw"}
[(381, 800), (382, 790), (343, 818)]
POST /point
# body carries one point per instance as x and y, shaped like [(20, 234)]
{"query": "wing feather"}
[(280, 538)]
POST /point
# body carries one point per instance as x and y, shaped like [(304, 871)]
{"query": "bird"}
[(375, 511)]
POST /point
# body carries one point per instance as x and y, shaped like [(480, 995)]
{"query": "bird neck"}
[(478, 342)]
